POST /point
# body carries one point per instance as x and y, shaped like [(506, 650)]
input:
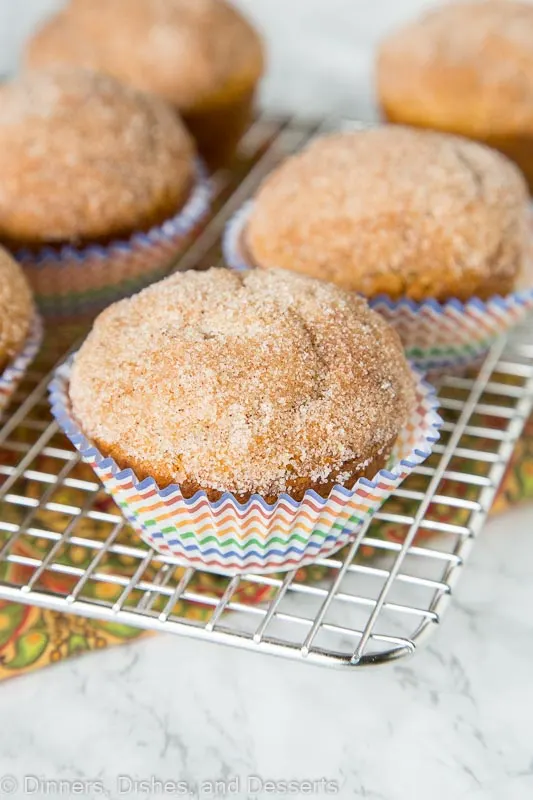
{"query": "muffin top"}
[(474, 57), (83, 157), (16, 308), (394, 210), (241, 382), (187, 51)]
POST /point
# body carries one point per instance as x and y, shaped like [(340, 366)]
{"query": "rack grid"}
[(65, 546)]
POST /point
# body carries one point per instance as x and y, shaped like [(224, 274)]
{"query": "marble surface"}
[(452, 722)]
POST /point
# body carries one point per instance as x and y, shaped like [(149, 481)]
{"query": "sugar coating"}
[(82, 156), (241, 382), (16, 308), (464, 55), (394, 210), (185, 50)]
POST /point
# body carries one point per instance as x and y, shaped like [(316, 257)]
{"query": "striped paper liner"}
[(435, 335), (14, 371), (452, 334), (71, 281), (229, 536)]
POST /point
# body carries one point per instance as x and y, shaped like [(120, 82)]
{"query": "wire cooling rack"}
[(64, 545)]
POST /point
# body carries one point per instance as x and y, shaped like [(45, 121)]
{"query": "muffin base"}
[(519, 149), (296, 488), (218, 128)]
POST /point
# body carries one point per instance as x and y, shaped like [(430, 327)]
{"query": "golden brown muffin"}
[(16, 308), (84, 158), (397, 211), (465, 68), (259, 382), (200, 55)]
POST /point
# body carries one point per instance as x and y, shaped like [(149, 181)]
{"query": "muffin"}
[(16, 309), (20, 327), (84, 158), (201, 56), (98, 186), (262, 383), (466, 68), (396, 211)]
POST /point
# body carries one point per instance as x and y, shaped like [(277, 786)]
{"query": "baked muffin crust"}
[(465, 67), (262, 382), (187, 51), (85, 158), (16, 308), (397, 211)]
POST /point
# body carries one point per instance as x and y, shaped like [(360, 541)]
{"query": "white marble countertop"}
[(452, 722)]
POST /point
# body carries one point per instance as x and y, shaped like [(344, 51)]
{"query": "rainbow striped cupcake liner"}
[(452, 334), (435, 335), (256, 536), (71, 281), (14, 371)]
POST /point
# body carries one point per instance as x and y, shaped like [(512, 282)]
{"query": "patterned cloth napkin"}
[(31, 638)]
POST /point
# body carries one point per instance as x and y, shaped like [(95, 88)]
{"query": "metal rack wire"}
[(65, 546)]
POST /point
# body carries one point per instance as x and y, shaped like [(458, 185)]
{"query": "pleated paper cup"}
[(256, 536), (234, 248), (435, 335), (453, 334), (70, 281), (15, 369)]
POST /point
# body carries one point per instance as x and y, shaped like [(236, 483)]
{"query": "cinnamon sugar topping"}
[(16, 308), (394, 210), (84, 157), (242, 382), (495, 35), (185, 50), (465, 66)]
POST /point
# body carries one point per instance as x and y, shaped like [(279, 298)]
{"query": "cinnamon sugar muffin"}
[(84, 158), (16, 309), (397, 211), (264, 382), (466, 68), (201, 56)]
